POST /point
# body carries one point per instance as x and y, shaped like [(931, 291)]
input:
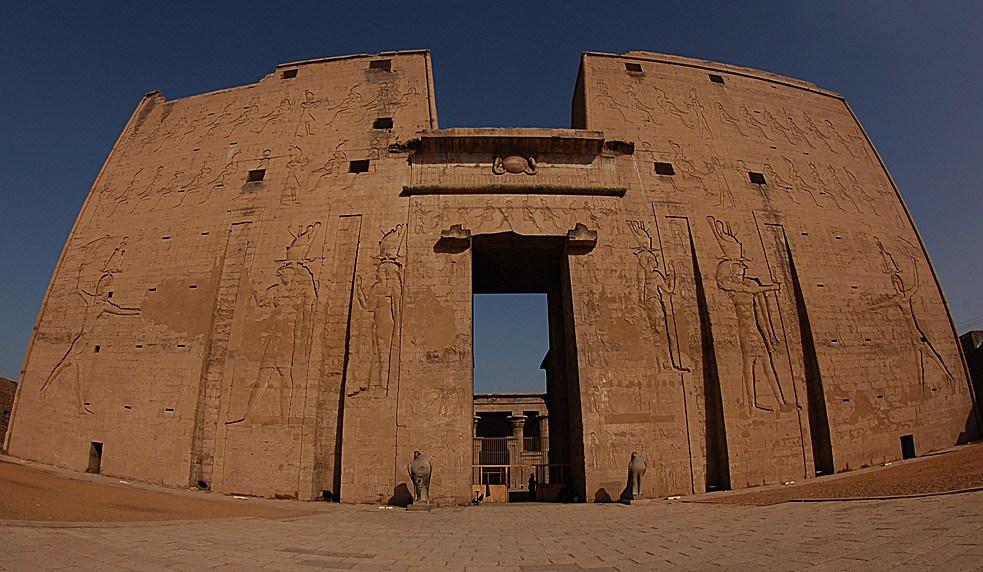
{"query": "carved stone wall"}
[(7, 390), (269, 288)]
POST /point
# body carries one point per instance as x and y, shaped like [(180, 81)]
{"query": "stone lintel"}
[(519, 141)]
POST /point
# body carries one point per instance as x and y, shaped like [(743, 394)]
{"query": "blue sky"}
[(73, 73)]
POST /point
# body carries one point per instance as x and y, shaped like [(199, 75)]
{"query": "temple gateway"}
[(269, 289)]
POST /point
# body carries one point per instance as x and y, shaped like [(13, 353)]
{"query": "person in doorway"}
[(532, 486)]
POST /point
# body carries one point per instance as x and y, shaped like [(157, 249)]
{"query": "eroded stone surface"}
[(7, 390), (269, 287)]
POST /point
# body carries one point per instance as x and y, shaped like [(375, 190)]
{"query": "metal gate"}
[(506, 461)]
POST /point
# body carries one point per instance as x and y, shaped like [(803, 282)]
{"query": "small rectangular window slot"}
[(854, 286), (756, 178), (139, 345), (383, 65), (632, 67), (204, 234), (152, 289), (773, 147), (256, 175), (109, 294), (805, 234), (360, 166), (839, 238), (180, 345), (170, 410), (716, 78), (127, 407), (866, 339), (383, 123), (96, 349), (805, 152), (87, 404), (165, 238), (664, 169), (196, 149), (820, 285), (193, 286), (288, 74), (880, 397), (834, 341), (847, 400)]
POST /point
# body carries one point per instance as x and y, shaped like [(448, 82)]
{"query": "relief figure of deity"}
[(756, 334), (383, 299)]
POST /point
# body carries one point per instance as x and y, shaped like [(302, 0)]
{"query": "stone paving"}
[(944, 531)]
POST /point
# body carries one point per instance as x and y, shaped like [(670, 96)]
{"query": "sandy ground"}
[(40, 493), (37, 493), (955, 470)]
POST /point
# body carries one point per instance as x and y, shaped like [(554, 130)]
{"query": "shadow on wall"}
[(972, 431), (401, 496), (972, 346), (602, 496)]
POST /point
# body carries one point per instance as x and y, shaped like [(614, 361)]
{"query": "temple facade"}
[(269, 288)]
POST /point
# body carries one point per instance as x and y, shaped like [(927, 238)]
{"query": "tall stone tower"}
[(268, 290)]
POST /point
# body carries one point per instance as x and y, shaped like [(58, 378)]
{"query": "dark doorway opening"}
[(95, 458), (908, 447), (547, 444)]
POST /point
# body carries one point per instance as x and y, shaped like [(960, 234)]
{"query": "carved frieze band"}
[(513, 189)]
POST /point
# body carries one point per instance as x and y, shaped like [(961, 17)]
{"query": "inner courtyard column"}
[(518, 423)]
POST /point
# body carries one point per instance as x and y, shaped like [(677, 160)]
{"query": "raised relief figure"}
[(296, 167), (95, 305), (657, 290), (384, 300), (289, 304), (275, 116), (756, 333), (308, 117), (727, 118), (901, 300)]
